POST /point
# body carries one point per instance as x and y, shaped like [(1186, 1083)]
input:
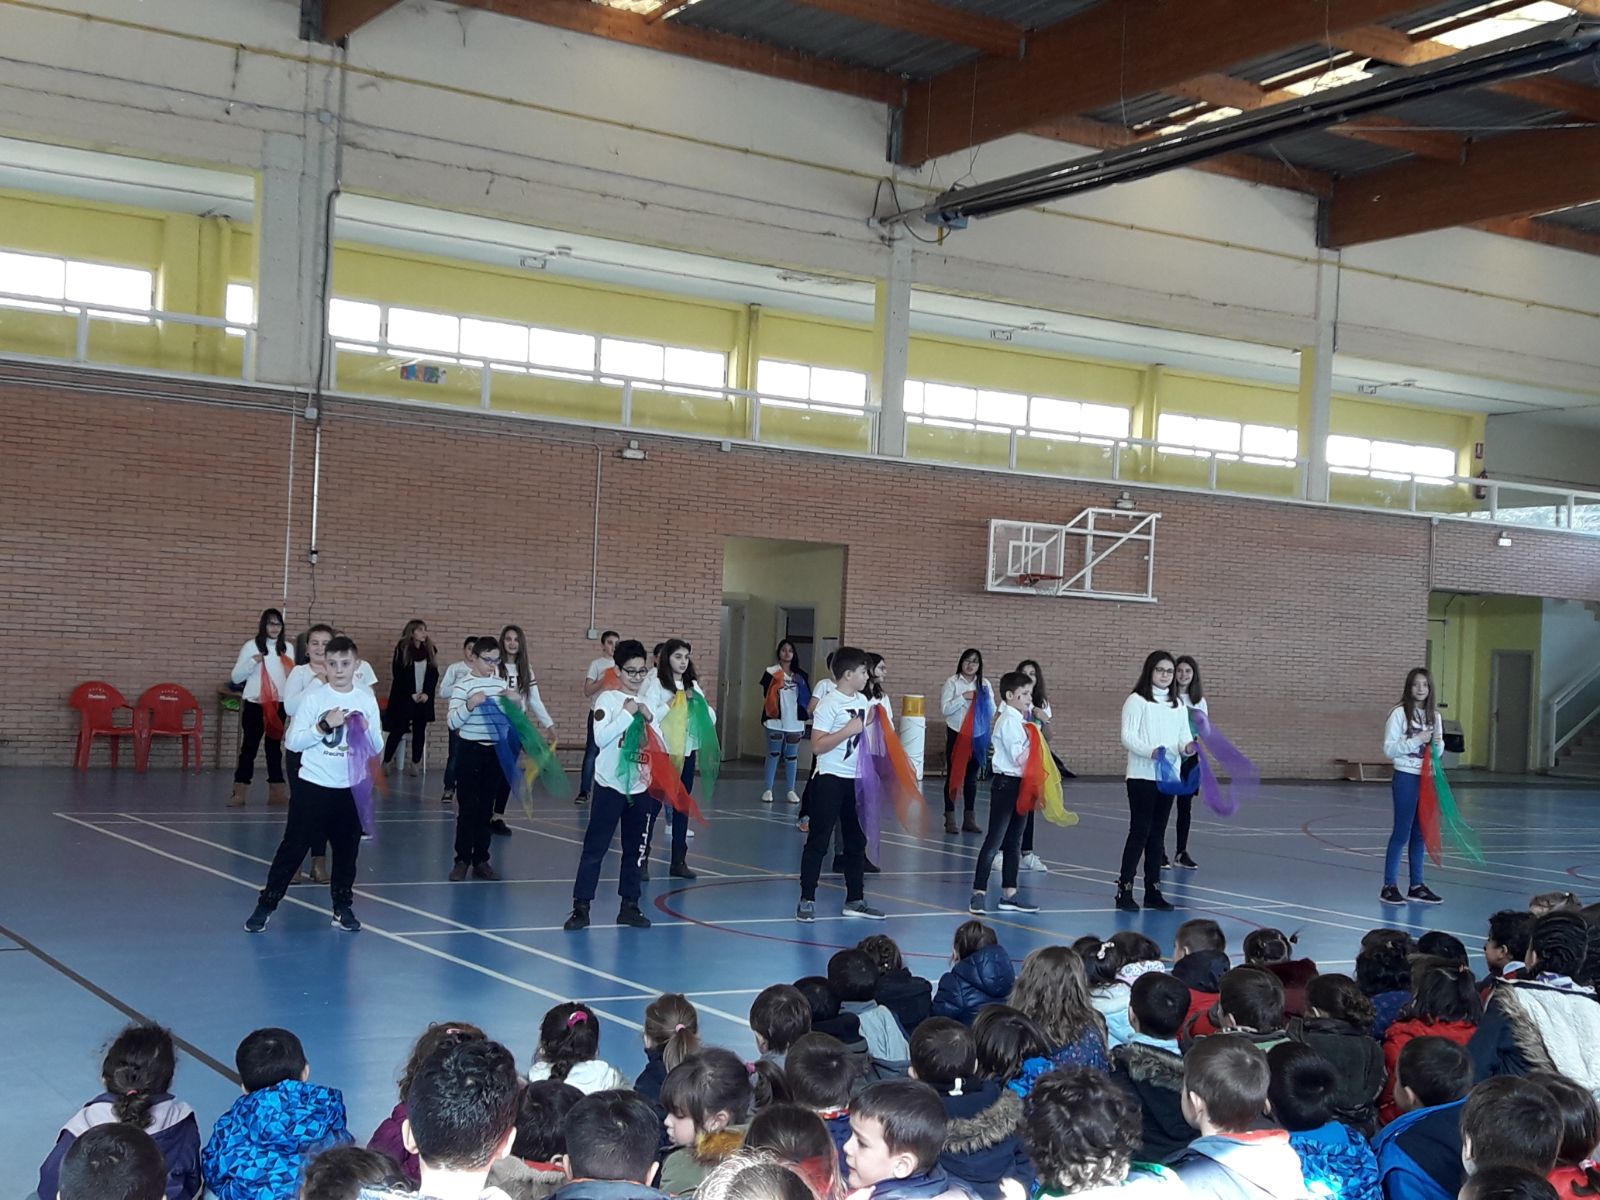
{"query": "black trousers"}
[(319, 839), (679, 821), (254, 724), (607, 810), (1148, 810), (1005, 834), (1027, 833), (317, 812), (833, 802), (969, 782), (478, 774), (1185, 807), (451, 761), (417, 727), (502, 793)]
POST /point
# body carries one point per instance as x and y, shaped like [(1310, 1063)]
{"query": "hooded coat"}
[(983, 1141), (259, 1147), (1154, 1077), (985, 976)]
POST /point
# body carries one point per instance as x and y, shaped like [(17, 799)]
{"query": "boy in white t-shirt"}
[(836, 725), (453, 675), (1012, 748), (594, 682), (322, 803)]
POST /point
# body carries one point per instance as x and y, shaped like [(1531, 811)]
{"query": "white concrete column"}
[(1316, 379), (291, 235), (892, 323)]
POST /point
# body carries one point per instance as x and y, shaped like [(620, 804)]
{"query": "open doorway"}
[(773, 589)]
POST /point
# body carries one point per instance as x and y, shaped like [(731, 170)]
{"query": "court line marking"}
[(366, 927)]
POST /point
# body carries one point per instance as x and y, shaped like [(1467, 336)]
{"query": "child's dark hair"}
[(971, 652), (1013, 680), (847, 659), (1510, 928), (972, 936), (267, 1057), (672, 1025), (1341, 999), (463, 1104), (1253, 997), (664, 666), (612, 1136), (1438, 944), (1580, 1122), (568, 1035), (138, 1067), (343, 1172), (707, 1083), (341, 644), (1135, 947), (115, 1161), (1383, 963), (1504, 1182), (797, 1136), (1194, 691), (1101, 960), (1560, 940), (944, 1055), (912, 1116), (1303, 1086), (873, 689), (1435, 1069), (434, 1038), (1230, 1074), (780, 1016), (1442, 990), (628, 650), (1159, 1002), (1039, 697), (1201, 933), (1080, 1130), (1514, 1120), (263, 641), (820, 1072), (542, 1109), (1263, 947), (482, 645), (819, 994), (884, 952), (853, 976), (1005, 1039)]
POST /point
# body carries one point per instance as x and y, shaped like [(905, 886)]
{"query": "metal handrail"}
[(1561, 700)]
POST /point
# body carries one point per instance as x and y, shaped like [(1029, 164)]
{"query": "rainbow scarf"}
[(1243, 776), (885, 778), (972, 743), (271, 705), (642, 747), (773, 708), (364, 762), (1436, 804), (688, 719), (1041, 782), (524, 755)]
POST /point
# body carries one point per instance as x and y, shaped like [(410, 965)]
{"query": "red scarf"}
[(271, 706)]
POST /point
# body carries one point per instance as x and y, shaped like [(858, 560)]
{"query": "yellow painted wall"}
[(768, 574), (1463, 646)]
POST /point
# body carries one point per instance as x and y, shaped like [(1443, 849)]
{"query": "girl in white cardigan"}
[(1154, 724), (1414, 728)]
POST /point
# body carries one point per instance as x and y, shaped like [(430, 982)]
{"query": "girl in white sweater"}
[(267, 653), (957, 697), (1154, 724), (1413, 730)]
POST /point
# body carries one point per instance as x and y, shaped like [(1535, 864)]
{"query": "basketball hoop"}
[(1043, 584)]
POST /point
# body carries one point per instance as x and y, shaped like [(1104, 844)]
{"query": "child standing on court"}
[(478, 773), (263, 657), (594, 682), (1012, 746), (453, 675)]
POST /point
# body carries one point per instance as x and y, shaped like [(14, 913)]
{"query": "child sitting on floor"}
[(1150, 1068), (822, 1075), (897, 1130), (1225, 1080), (980, 973), (569, 1048), (1080, 1131), (532, 1170), (387, 1138), (1335, 1159), (982, 1145), (707, 1098)]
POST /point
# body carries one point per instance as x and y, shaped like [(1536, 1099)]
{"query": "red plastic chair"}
[(98, 703), (162, 712)]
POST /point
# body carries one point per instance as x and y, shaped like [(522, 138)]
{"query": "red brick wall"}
[(143, 535)]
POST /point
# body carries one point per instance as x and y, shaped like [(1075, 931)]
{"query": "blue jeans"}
[(787, 745), (1406, 789), (608, 810)]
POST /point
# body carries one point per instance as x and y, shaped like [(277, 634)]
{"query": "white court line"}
[(460, 925), (366, 927), (555, 837)]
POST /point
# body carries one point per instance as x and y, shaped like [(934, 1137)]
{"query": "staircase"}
[(1580, 758)]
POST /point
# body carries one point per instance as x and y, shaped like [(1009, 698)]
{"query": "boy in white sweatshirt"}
[(1012, 748)]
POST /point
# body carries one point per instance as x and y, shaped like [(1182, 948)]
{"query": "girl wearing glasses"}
[(1155, 725)]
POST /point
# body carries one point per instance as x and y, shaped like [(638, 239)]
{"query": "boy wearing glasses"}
[(477, 763), (618, 796)]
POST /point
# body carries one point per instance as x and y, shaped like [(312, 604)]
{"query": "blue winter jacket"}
[(259, 1147), (1419, 1154), (984, 977), (1337, 1162)]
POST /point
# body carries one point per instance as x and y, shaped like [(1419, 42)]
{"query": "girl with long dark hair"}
[(1186, 673), (1413, 730), (960, 693), (521, 684), (413, 683), (264, 656), (1155, 726), (785, 693), (675, 673)]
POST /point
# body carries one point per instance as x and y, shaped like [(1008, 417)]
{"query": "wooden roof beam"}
[(1546, 233), (742, 54), (341, 18), (1513, 175), (927, 19), (1120, 48)]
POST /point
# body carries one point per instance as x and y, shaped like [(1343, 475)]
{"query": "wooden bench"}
[(1367, 770)]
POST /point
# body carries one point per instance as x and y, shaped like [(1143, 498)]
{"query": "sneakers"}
[(581, 799), (1390, 895), (1018, 903), (1165, 861), (978, 905), (680, 870), (860, 908), (345, 918), (689, 832), (870, 868), (499, 828), (257, 921), (484, 871), (806, 912), (579, 918), (448, 798), (803, 824), (970, 824), (1032, 862), (1422, 894), (1125, 900), (1154, 900), (458, 872), (793, 797), (1184, 861), (630, 916), (766, 796)]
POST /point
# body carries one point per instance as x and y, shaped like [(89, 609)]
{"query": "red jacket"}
[(1566, 1179), (1394, 1041), (1294, 976)]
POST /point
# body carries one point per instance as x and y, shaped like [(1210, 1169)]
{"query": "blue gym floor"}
[(125, 894)]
